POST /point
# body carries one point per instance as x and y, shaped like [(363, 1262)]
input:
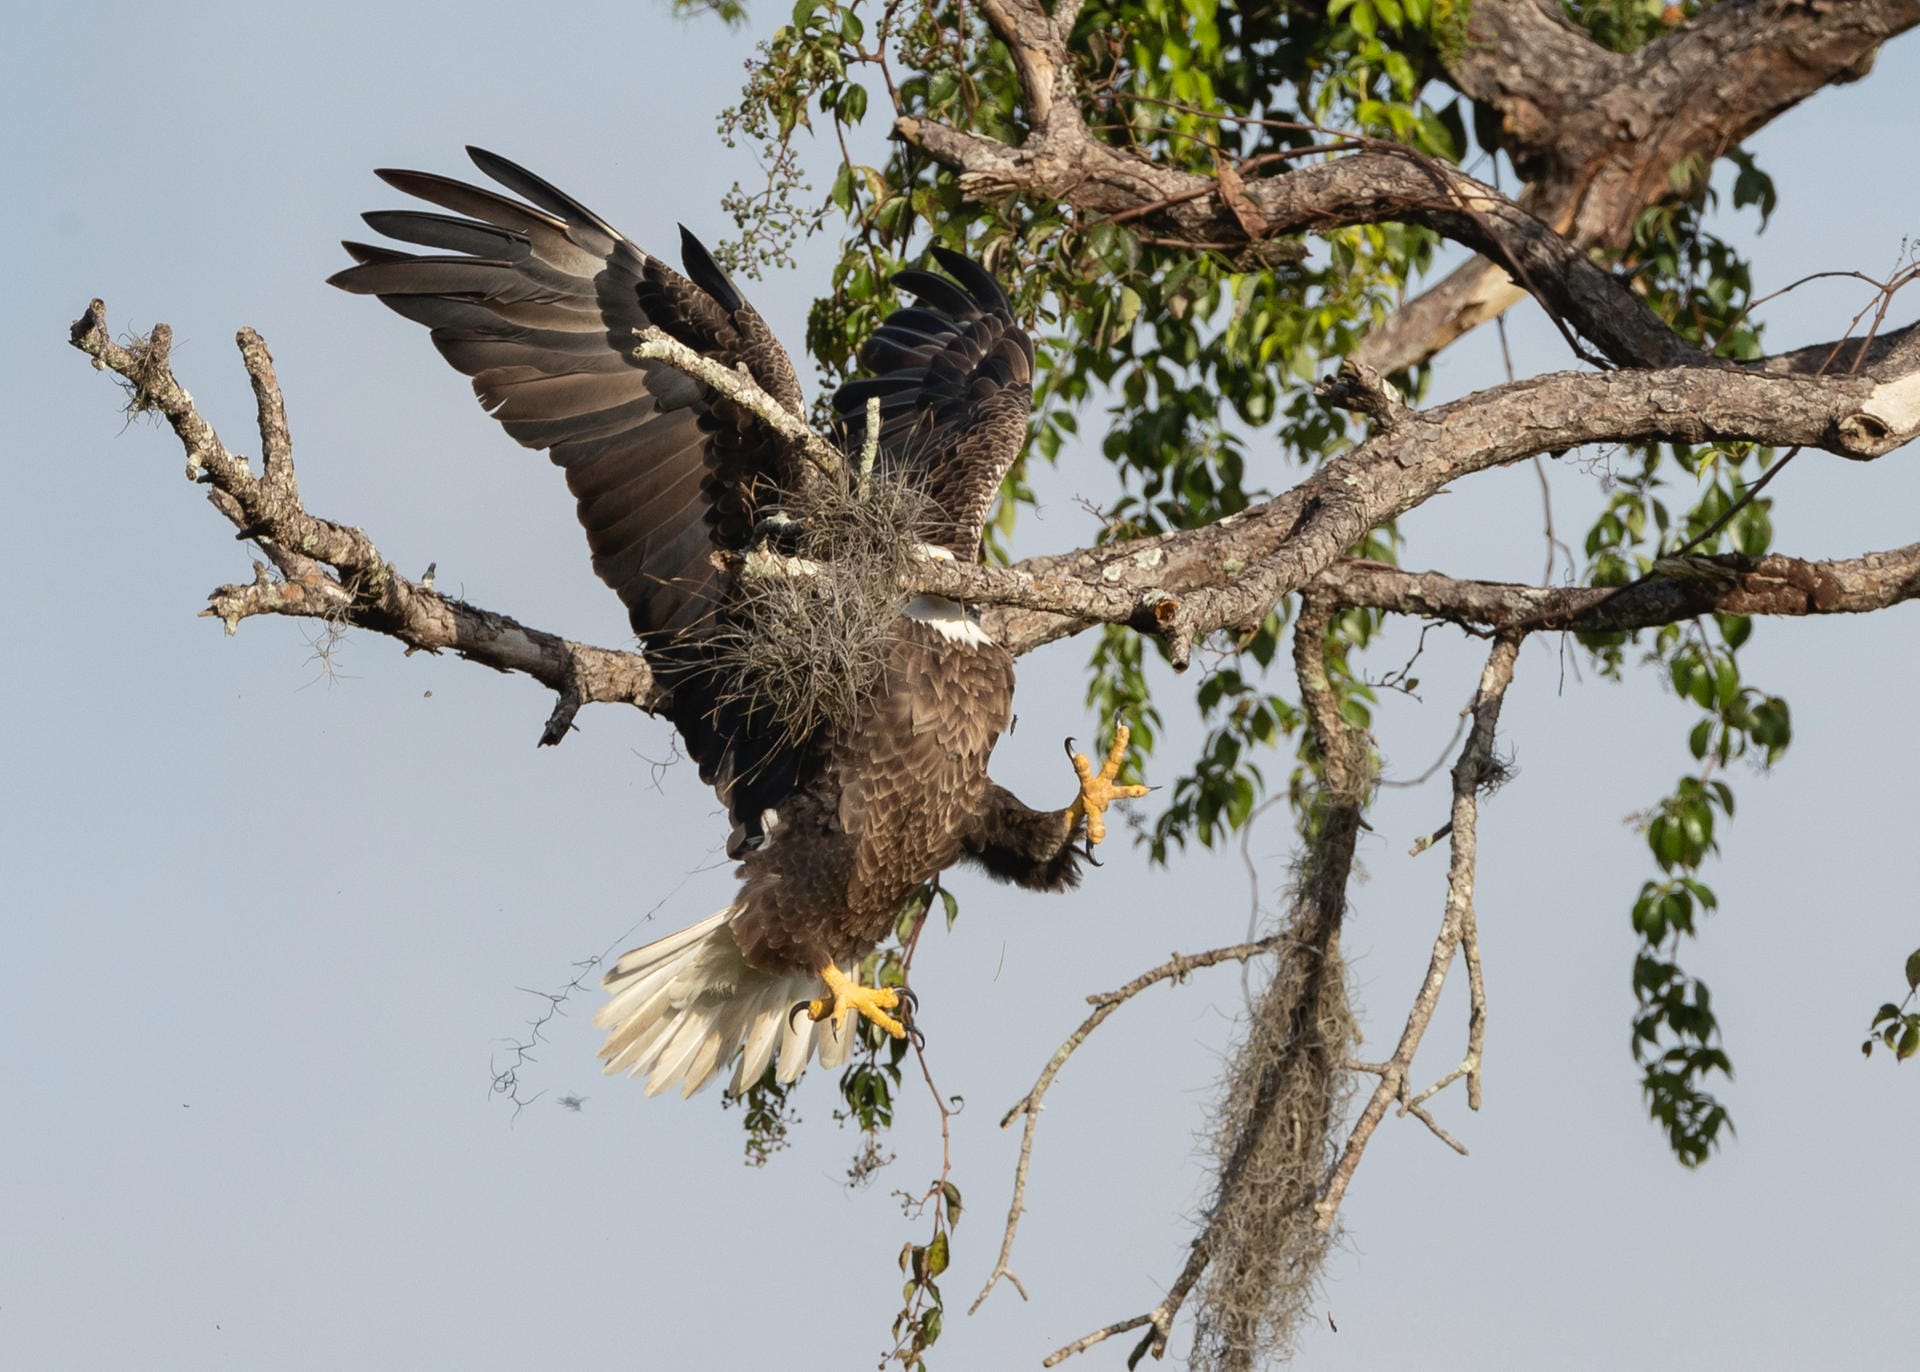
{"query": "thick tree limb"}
[(1230, 574), (1596, 135), (1382, 182), (1180, 586), (333, 572)]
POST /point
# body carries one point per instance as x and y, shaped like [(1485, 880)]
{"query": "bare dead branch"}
[(1476, 1006), (1470, 774), (1175, 968), (330, 571), (1420, 1113)]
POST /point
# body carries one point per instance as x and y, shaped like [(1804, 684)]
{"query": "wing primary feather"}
[(366, 254), (937, 291), (540, 191), (707, 274), (980, 282), (446, 231), (462, 198)]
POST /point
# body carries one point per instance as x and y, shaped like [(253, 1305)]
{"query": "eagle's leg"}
[(1039, 849), (1097, 789), (844, 994)]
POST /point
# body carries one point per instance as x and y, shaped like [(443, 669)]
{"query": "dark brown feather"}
[(538, 301), (889, 809), (955, 377)]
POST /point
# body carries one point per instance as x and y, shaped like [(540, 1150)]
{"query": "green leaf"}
[(1913, 970), (1909, 1041), (952, 1196), (937, 1255), (1698, 740)]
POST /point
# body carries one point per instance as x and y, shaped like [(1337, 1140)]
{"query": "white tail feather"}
[(686, 1005)]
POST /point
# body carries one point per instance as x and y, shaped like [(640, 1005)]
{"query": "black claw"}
[(909, 1003), (915, 1037), (799, 1007), (1070, 746)]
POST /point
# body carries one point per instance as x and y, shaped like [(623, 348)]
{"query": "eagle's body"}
[(890, 807), (835, 824)]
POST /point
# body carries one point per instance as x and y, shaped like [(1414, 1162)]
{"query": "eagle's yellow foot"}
[(1097, 789), (847, 994)]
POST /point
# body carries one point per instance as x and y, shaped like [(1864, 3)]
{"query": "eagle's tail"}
[(684, 1006)]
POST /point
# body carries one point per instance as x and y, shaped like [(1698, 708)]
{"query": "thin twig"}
[(1174, 969), (1469, 775)]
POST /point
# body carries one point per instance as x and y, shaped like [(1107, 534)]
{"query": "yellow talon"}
[(1097, 789), (847, 994)]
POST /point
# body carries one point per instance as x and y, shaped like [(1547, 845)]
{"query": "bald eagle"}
[(837, 822)]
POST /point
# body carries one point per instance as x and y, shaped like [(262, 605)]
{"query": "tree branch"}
[(330, 571), (1383, 181), (1597, 135), (1473, 772), (1174, 969), (1727, 583), (740, 388), (1180, 586), (1230, 574)]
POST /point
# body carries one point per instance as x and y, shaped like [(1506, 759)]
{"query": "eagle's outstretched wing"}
[(955, 379), (538, 300)]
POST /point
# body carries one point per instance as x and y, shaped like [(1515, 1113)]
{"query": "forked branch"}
[(1176, 969), (1476, 769), (1179, 587), (332, 571)]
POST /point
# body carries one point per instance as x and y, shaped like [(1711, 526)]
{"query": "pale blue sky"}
[(264, 931)]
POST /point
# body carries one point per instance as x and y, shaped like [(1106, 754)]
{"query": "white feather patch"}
[(948, 618), (687, 1005)]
